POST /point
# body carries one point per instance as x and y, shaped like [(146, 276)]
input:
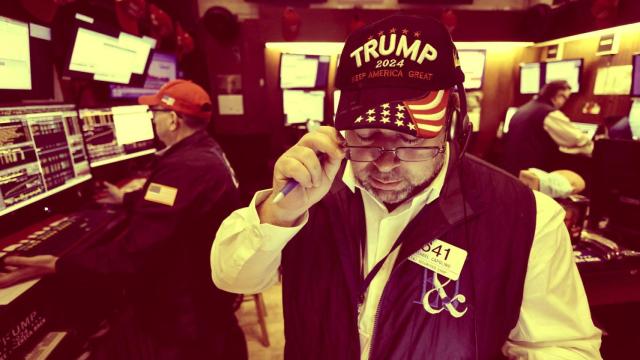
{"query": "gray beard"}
[(393, 198)]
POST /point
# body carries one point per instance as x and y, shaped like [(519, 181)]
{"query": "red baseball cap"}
[(182, 96)]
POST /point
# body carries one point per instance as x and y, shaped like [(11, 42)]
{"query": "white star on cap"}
[(411, 126), (400, 115), (385, 112), (371, 112), (371, 119), (399, 122), (358, 119), (385, 120), (400, 107), (385, 106)]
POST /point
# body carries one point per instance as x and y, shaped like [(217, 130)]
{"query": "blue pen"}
[(290, 185)]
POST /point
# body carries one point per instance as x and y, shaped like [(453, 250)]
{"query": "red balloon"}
[(184, 41), (161, 23), (290, 24), (129, 14), (449, 20)]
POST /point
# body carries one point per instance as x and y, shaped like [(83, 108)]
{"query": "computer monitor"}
[(568, 70), (116, 134), (301, 106), (530, 78), (472, 64), (104, 54), (163, 68), (298, 71), (15, 59), (635, 79), (615, 197), (40, 154), (634, 119), (26, 61), (507, 119)]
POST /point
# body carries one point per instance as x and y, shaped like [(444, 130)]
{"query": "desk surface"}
[(615, 282)]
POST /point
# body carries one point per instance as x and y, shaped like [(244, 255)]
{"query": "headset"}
[(459, 128), (458, 133)]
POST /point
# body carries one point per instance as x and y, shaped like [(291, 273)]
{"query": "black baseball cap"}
[(397, 74)]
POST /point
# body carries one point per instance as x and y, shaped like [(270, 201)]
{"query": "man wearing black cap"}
[(410, 249), (179, 314)]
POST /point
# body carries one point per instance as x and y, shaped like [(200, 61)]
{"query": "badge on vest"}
[(442, 258), (161, 194)]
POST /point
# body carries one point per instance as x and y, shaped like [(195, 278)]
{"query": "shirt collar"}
[(429, 194)]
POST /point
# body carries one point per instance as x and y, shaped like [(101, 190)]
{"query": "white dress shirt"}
[(554, 323), (569, 138)]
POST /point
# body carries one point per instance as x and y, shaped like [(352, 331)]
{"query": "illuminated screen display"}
[(116, 134), (530, 75), (301, 106), (115, 59), (635, 80), (304, 71), (472, 64), (163, 68), (41, 153), (568, 70), (15, 60)]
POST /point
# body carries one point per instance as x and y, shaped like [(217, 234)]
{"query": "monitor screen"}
[(568, 70), (110, 57), (15, 63), (635, 79), (507, 119), (472, 64), (634, 119), (116, 134), (40, 63), (299, 71), (530, 77), (301, 106), (163, 68), (41, 153)]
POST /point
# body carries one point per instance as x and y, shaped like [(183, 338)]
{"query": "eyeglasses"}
[(373, 153)]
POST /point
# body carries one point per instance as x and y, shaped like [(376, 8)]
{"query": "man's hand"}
[(19, 269), (109, 194), (313, 171)]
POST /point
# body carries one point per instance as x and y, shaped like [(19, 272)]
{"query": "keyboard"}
[(61, 234)]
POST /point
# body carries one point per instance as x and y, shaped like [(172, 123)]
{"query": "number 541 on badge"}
[(442, 258)]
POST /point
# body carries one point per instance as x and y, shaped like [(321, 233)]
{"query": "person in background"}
[(409, 249), (557, 184), (163, 256), (539, 130)]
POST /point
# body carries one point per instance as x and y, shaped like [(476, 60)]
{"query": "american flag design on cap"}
[(423, 117), (428, 113)]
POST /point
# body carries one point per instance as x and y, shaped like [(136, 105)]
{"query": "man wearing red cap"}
[(163, 257), (410, 249)]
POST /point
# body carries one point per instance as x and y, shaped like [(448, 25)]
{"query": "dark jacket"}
[(527, 144), (322, 280), (164, 255)]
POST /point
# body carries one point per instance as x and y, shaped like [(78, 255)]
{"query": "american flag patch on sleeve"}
[(161, 194)]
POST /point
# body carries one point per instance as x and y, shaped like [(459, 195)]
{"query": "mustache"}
[(388, 176)]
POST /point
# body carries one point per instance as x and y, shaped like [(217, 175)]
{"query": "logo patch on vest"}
[(440, 293)]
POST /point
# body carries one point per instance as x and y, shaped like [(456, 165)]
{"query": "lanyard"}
[(374, 271)]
